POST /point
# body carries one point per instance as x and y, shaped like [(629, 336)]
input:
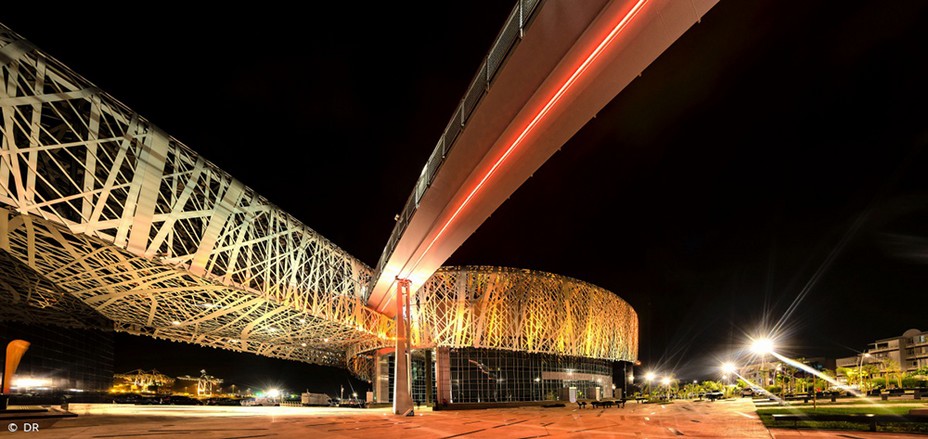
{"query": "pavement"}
[(723, 419)]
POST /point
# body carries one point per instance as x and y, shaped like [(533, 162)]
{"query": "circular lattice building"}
[(490, 334)]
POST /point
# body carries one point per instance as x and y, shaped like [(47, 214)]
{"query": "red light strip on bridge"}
[(538, 117)]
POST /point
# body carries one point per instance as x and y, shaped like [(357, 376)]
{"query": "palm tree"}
[(867, 372), (852, 376), (890, 368)]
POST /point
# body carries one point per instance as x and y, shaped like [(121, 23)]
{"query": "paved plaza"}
[(700, 419)]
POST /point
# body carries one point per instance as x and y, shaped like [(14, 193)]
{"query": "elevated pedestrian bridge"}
[(555, 64), (102, 212)]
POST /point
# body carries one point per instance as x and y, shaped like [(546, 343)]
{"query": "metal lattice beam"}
[(523, 310), (119, 214), (516, 310)]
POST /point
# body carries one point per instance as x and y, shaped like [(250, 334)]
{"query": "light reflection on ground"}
[(212, 411)]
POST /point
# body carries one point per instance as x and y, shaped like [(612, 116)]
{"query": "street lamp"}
[(649, 377), (666, 382), (728, 369), (779, 373), (860, 360), (762, 347)]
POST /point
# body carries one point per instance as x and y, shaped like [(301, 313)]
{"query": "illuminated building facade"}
[(909, 352), (105, 217), (493, 334)]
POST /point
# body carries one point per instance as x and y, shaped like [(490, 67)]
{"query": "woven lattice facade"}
[(102, 214), (119, 214), (523, 310)]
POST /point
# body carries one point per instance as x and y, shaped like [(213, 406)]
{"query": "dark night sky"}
[(707, 194)]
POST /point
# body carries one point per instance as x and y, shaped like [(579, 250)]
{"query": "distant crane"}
[(206, 384), (143, 380)]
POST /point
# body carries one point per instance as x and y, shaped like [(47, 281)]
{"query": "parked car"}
[(180, 400), (263, 402), (149, 400), (714, 395), (128, 398), (352, 402), (223, 401)]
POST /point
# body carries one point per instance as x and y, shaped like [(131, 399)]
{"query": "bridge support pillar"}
[(382, 378), (442, 376), (402, 370)]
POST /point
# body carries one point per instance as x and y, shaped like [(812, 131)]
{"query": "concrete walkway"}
[(722, 419)]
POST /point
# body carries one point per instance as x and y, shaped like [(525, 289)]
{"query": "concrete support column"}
[(443, 375), (402, 379), (382, 378), (429, 399)]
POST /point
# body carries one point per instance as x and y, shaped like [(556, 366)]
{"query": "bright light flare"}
[(762, 346), (728, 368), (273, 393), (649, 376), (815, 372), (665, 381), (29, 382)]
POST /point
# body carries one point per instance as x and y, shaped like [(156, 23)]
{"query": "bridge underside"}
[(46, 267), (104, 214)]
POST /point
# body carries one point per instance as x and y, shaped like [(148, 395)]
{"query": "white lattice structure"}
[(523, 310), (116, 212), (101, 211), (516, 310)]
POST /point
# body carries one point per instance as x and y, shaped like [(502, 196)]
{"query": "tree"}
[(742, 384), (711, 386), (920, 376), (853, 377), (868, 371), (802, 385), (692, 390), (890, 370)]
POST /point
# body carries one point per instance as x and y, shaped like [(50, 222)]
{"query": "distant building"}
[(909, 351)]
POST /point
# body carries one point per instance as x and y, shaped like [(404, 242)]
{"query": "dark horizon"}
[(766, 142)]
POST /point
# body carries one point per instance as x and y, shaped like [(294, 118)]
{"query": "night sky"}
[(776, 151)]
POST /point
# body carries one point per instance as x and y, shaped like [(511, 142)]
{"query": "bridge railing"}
[(512, 32)]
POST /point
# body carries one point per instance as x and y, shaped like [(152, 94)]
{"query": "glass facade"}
[(418, 376), (71, 345), (491, 375), (60, 359)]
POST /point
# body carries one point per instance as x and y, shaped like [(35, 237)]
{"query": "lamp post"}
[(666, 382), (779, 373), (860, 361), (649, 377), (762, 347)]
